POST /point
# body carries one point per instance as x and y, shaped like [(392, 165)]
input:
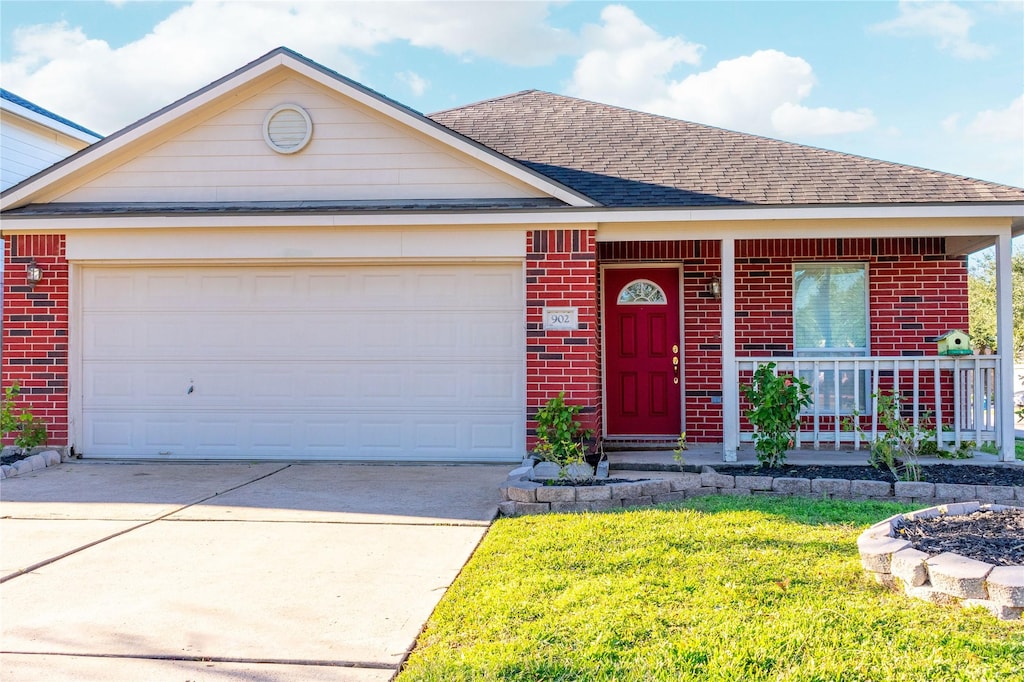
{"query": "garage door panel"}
[(492, 286), (112, 433), (491, 435), (311, 363), (165, 434), (324, 287)]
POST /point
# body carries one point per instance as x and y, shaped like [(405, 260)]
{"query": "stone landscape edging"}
[(520, 495), (47, 457), (946, 578)]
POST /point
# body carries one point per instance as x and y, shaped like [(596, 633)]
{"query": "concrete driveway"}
[(230, 571)]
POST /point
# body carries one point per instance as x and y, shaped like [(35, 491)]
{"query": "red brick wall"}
[(561, 270), (916, 293), (35, 330)]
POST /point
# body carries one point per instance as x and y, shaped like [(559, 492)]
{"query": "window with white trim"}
[(830, 319)]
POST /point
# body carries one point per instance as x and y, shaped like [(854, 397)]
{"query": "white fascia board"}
[(762, 213), (35, 117), (15, 224), (449, 138), (612, 225)]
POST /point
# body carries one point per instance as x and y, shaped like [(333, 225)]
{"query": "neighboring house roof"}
[(629, 159), (46, 113)]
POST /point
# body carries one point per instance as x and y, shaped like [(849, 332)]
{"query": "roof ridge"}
[(486, 101)]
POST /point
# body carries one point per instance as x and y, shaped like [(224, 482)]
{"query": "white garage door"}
[(370, 363)]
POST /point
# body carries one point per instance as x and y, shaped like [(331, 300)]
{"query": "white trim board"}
[(761, 223), (294, 245)]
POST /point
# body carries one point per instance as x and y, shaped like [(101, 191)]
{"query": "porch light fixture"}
[(33, 274), (715, 287)]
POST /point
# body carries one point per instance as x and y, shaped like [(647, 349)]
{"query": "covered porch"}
[(737, 295)]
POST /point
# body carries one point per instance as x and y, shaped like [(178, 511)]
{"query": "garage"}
[(324, 362)]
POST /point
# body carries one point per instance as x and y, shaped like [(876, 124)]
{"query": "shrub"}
[(27, 429), (897, 443), (560, 434), (776, 401)]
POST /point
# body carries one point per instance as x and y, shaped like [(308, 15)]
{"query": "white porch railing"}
[(957, 396)]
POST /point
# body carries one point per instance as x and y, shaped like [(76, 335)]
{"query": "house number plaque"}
[(561, 318)]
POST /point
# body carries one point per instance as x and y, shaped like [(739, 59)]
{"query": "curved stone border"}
[(945, 578), (519, 494), (39, 460)]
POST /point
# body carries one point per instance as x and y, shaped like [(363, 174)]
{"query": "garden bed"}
[(995, 537), (930, 571), (969, 474), (521, 495)]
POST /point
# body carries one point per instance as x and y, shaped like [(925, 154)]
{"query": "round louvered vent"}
[(287, 128)]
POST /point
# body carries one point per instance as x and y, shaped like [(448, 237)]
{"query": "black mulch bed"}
[(995, 537), (11, 458), (931, 473), (591, 481)]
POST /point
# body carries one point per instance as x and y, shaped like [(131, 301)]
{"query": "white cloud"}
[(949, 24), (793, 120), (415, 82), (105, 88), (989, 145), (629, 64), (1000, 125), (627, 58)]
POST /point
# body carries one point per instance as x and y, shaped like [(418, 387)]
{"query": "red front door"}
[(642, 352)]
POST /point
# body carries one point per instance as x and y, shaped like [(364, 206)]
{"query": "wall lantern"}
[(33, 274), (715, 287)]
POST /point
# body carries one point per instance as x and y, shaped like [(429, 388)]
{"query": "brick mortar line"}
[(47, 562)]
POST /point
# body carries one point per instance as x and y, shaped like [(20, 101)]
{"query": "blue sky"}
[(933, 84)]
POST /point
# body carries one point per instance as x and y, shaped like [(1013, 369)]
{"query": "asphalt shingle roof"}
[(625, 158)]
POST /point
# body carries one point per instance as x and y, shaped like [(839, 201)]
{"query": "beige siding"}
[(354, 154), (29, 148)]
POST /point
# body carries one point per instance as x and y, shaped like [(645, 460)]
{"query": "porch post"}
[(730, 391), (1004, 340)]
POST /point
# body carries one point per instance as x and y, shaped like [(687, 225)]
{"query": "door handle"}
[(675, 369)]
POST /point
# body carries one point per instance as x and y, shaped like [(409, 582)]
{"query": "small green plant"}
[(928, 445), (560, 434), (776, 401), (27, 429), (897, 442), (677, 454)]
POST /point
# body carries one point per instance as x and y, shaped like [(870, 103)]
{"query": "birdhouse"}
[(954, 342)]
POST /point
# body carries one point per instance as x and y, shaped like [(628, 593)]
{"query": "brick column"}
[(561, 270), (35, 330)]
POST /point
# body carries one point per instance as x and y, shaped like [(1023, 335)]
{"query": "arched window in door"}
[(642, 291)]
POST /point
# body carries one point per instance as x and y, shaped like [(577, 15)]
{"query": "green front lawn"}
[(716, 589)]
